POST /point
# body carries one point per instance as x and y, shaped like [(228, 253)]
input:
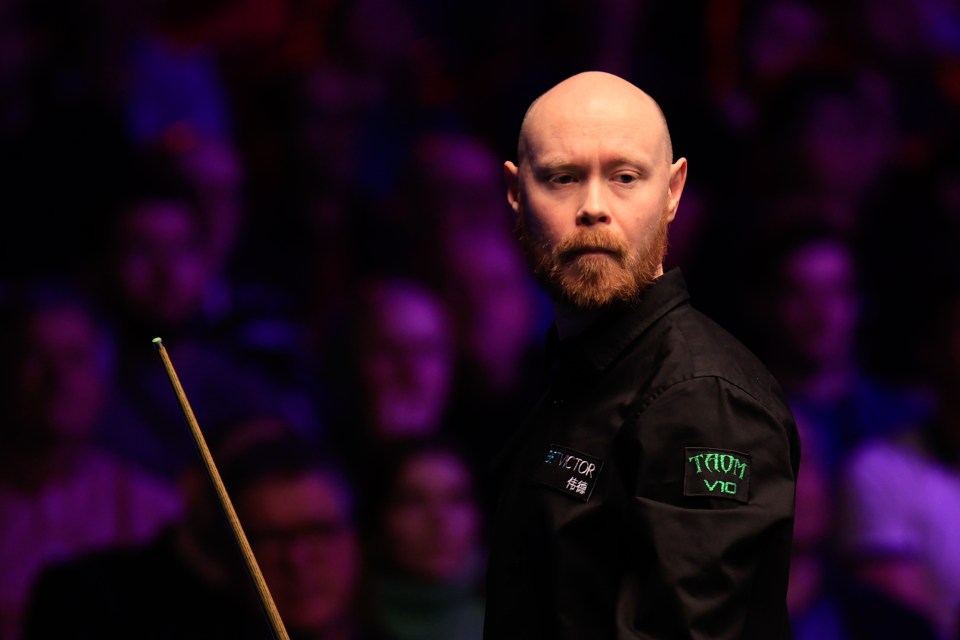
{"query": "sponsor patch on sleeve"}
[(717, 473), (569, 471)]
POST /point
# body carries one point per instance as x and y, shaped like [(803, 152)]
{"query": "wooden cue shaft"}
[(266, 600)]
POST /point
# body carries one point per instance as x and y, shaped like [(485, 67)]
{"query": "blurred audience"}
[(815, 597), (215, 170), (59, 494), (449, 183), (157, 277), (827, 141), (450, 222), (902, 497), (423, 525), (499, 320), (900, 291), (297, 510), (394, 372), (809, 313), (757, 49), (304, 200), (174, 84)]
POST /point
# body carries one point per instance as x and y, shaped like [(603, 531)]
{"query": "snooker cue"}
[(266, 600)]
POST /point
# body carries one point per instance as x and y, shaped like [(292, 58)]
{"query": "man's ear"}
[(511, 174), (678, 178)]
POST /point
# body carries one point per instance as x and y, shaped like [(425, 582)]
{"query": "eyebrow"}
[(644, 162), (559, 164), (553, 164)]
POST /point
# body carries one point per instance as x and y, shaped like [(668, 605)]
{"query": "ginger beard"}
[(575, 274)]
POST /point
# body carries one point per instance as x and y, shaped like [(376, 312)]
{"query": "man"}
[(814, 327), (156, 275), (60, 495), (900, 494), (651, 493), (297, 512)]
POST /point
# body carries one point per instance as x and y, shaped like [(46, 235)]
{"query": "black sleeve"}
[(713, 472)]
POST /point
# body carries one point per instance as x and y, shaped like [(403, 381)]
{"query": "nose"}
[(594, 208)]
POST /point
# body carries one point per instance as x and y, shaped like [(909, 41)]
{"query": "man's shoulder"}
[(703, 348), (696, 355), (710, 387)]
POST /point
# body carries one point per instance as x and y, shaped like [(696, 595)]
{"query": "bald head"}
[(594, 189), (591, 97)]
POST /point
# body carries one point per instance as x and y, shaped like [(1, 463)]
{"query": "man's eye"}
[(625, 178), (562, 179)]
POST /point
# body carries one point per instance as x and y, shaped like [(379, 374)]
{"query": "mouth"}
[(591, 252)]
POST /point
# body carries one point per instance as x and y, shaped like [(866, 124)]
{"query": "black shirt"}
[(651, 493)]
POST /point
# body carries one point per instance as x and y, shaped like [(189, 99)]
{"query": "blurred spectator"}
[(156, 277), (450, 183), (358, 109), (451, 224), (250, 309), (175, 88), (455, 181), (825, 599), (811, 306), (827, 140), (333, 112), (423, 526), (499, 318), (497, 310), (901, 509), (917, 45), (394, 373), (178, 67), (59, 495), (816, 596), (758, 46), (215, 169), (385, 43), (156, 255), (911, 260), (296, 509)]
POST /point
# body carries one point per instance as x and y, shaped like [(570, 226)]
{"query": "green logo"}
[(716, 472)]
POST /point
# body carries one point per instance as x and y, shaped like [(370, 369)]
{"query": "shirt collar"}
[(590, 353)]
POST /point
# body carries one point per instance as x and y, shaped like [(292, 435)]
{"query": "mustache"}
[(591, 241)]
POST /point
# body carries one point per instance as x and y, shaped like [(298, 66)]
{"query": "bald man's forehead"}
[(557, 120)]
